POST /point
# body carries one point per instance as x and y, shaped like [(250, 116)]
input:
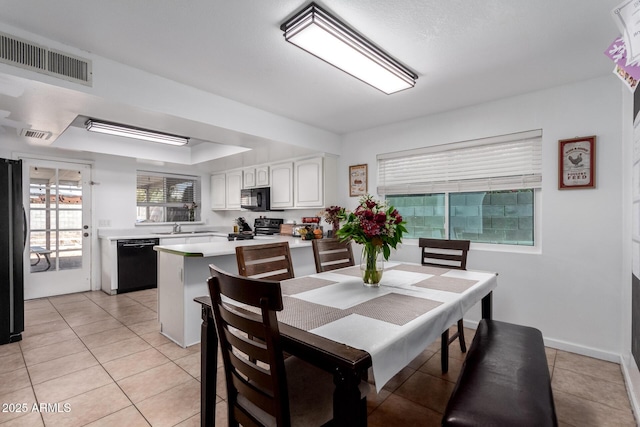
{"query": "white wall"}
[(571, 290)]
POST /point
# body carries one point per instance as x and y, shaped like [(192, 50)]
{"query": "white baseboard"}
[(582, 350), (568, 346), (630, 371)]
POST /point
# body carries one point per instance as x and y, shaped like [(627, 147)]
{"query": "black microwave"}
[(256, 199)]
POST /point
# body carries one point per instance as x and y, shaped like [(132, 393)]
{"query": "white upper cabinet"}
[(309, 183), (218, 191), (249, 178), (234, 185), (262, 176), (301, 183), (282, 185)]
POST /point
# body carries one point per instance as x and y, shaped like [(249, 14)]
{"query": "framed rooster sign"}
[(577, 168)]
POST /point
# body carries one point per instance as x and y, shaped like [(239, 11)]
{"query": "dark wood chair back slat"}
[(444, 253), (331, 254), (447, 254), (250, 346), (271, 261)]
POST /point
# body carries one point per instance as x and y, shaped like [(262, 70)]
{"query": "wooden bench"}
[(504, 380), (39, 250)]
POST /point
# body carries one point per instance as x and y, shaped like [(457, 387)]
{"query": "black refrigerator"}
[(12, 242)]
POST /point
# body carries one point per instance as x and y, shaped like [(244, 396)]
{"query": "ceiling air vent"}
[(24, 54), (37, 134)]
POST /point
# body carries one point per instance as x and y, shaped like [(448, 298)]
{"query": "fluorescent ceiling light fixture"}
[(324, 36), (133, 132)]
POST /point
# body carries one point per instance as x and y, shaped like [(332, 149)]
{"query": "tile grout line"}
[(27, 368), (92, 354), (113, 379), (148, 397), (33, 390)]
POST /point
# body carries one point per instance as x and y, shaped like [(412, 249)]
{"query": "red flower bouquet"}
[(378, 227)]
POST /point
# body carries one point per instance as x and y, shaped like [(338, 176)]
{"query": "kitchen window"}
[(162, 197), (483, 190)]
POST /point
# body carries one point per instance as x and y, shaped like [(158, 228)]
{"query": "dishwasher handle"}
[(138, 243)]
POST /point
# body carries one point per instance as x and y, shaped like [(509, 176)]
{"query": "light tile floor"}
[(99, 360)]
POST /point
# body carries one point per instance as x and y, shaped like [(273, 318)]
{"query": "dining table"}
[(357, 332)]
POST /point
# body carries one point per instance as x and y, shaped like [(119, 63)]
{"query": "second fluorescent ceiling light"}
[(133, 132), (324, 36)]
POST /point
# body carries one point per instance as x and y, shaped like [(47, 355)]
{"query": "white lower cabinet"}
[(173, 241), (199, 239)]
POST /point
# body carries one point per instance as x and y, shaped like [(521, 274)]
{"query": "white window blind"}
[(506, 162), (161, 189)]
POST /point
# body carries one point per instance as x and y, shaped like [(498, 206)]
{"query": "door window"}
[(55, 210)]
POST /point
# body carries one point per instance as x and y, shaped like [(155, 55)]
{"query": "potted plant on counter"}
[(191, 210), (332, 215)]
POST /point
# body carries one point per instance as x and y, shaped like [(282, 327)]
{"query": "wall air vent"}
[(24, 54), (37, 134)]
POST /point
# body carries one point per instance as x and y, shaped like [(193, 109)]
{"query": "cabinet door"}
[(309, 183), (198, 239), (218, 191), (249, 178), (262, 176), (234, 185), (282, 185), (173, 241)]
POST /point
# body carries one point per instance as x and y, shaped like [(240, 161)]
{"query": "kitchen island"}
[(183, 270), (109, 239)]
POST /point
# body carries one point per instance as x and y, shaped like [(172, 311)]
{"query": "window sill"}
[(491, 247)]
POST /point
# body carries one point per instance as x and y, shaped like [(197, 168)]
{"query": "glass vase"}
[(371, 265)]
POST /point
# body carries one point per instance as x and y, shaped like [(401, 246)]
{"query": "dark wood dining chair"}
[(448, 254), (331, 254), (271, 261), (264, 388)]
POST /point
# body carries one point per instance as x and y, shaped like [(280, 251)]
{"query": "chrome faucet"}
[(176, 228)]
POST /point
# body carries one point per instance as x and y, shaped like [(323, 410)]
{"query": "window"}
[(164, 197), (482, 190)]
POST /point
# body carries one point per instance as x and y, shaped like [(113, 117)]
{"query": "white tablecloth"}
[(393, 323)]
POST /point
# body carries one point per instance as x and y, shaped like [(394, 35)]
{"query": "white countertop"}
[(150, 234), (228, 247)]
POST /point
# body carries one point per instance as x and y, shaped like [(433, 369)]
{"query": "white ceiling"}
[(463, 52)]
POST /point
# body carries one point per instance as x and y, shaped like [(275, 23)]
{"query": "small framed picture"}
[(357, 180), (577, 163)]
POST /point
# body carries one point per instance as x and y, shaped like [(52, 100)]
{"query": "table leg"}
[(208, 368), (487, 306), (444, 350), (348, 409)]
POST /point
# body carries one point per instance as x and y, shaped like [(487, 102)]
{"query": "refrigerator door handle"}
[(25, 229)]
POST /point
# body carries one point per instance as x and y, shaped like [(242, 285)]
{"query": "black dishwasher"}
[(137, 264)]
